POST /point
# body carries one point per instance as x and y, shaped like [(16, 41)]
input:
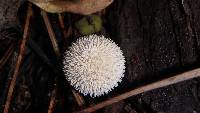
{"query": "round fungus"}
[(94, 65)]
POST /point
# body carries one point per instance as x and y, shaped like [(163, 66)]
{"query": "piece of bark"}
[(8, 13), (158, 37)]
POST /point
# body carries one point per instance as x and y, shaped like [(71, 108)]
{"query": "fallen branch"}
[(162, 83), (19, 59)]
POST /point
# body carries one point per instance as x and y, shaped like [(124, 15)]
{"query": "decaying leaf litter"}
[(121, 38)]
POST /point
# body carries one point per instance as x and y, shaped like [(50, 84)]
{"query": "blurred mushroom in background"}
[(83, 7)]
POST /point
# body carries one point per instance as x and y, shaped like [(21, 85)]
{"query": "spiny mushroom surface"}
[(94, 65)]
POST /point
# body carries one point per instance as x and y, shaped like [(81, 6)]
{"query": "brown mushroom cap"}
[(84, 7)]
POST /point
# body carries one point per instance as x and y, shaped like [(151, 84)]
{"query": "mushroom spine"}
[(94, 65)]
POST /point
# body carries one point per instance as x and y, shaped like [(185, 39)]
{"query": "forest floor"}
[(159, 38)]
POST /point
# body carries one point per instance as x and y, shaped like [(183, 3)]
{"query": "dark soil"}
[(159, 38)]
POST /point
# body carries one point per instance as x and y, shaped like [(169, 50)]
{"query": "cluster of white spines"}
[(94, 65)]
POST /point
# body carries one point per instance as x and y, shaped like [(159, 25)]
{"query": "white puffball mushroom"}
[(94, 65)]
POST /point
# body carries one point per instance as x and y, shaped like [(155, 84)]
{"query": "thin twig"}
[(162, 83), (79, 98), (52, 101), (51, 33), (40, 53), (19, 59), (62, 25), (6, 56)]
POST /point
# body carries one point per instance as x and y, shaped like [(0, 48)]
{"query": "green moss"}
[(97, 22), (89, 25)]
